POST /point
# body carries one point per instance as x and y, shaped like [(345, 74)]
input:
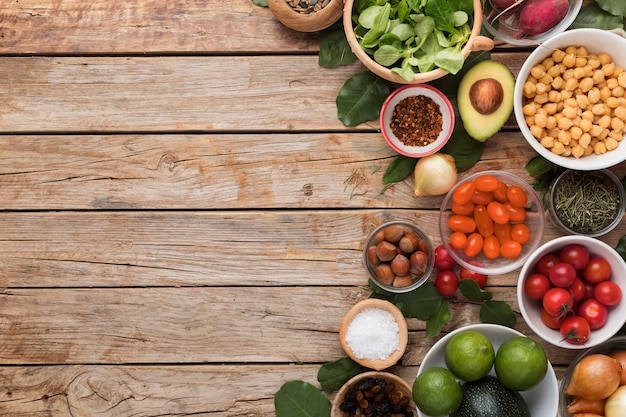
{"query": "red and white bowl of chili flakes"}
[(417, 120)]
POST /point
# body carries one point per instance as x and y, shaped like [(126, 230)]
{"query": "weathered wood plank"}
[(204, 249), (145, 27), (196, 325), (125, 391)]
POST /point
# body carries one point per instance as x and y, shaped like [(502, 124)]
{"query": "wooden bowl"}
[(475, 43), (400, 384), (311, 22), (403, 333)]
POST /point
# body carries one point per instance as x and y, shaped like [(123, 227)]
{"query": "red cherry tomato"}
[(608, 293), (463, 193), (481, 279), (486, 182), (576, 255), (558, 301), (460, 223), (443, 260), (546, 262), (517, 196), (575, 330), (594, 312), (446, 282), (498, 213), (553, 322), (597, 270), (562, 275), (578, 289), (536, 286), (474, 245), (589, 289)]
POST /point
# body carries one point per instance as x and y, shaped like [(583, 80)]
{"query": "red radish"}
[(538, 16), (502, 5)]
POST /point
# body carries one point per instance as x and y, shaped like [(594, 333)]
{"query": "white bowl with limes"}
[(542, 399)]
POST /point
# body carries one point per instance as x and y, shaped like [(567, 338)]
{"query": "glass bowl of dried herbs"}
[(589, 203), (417, 120)]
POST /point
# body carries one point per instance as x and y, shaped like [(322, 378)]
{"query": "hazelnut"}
[(409, 243), (386, 251), (486, 95), (400, 265), (418, 262), (394, 233), (385, 274), (402, 281), (372, 258)]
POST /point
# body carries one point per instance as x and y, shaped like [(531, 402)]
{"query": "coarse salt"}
[(373, 334)]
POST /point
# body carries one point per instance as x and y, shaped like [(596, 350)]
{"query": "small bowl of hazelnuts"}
[(399, 256)]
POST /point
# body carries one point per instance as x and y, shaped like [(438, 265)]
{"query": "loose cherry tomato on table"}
[(597, 270), (481, 279), (575, 330), (443, 260), (536, 286), (594, 312), (576, 255), (446, 282), (558, 301), (546, 262), (608, 293), (562, 274)]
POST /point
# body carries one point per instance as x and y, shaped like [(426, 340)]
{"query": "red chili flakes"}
[(417, 121)]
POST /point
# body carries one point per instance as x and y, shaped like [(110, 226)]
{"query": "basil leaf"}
[(334, 48), (420, 303), (616, 8), (539, 166), (465, 150), (436, 322), (360, 98), (399, 169), (333, 375), (497, 312), (592, 16), (301, 399), (470, 289)]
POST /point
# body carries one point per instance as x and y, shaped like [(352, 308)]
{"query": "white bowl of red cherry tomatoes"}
[(571, 292)]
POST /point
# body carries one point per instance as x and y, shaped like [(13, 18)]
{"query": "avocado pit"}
[(486, 95)]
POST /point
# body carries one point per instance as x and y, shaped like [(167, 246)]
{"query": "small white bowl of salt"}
[(374, 334)]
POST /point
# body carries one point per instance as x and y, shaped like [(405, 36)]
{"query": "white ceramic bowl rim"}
[(532, 316), (596, 40), (542, 399), (400, 94)]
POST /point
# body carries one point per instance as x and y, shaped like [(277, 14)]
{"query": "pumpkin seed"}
[(308, 6)]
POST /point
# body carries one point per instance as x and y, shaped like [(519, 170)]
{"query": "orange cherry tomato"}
[(491, 247), (499, 194), (459, 223), (516, 214), (498, 212), (517, 196), (520, 233), (484, 224), (463, 192), (510, 249), (486, 182), (482, 197), (463, 209), (502, 232), (458, 240), (474, 245)]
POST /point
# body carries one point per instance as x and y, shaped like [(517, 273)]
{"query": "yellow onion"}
[(584, 405), (595, 377), (434, 174), (620, 355), (616, 404)]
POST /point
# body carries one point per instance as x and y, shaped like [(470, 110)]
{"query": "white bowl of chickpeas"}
[(570, 99)]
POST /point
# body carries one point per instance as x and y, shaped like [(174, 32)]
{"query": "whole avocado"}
[(487, 397)]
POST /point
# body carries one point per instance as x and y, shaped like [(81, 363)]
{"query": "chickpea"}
[(620, 112), (611, 144), (612, 102), (564, 123), (575, 133), (536, 131), (529, 89), (558, 55), (585, 125), (541, 120), (594, 95), (558, 148), (564, 137), (569, 61), (530, 109), (587, 115), (598, 76), (604, 58), (541, 98), (577, 151), (621, 78), (538, 71), (604, 121), (599, 148), (611, 83), (617, 124), (596, 130), (618, 91), (584, 140), (579, 72), (552, 108), (558, 82), (569, 112), (547, 142), (571, 84), (540, 88), (594, 62)]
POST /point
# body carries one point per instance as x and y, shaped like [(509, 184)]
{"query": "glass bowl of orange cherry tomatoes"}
[(491, 221)]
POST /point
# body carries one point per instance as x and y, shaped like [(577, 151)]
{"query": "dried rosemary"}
[(586, 202)]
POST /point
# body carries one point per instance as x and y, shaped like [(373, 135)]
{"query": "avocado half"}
[(485, 99)]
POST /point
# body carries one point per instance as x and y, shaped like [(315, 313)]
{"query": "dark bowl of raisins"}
[(374, 393)]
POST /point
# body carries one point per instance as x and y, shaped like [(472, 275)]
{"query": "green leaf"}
[(399, 169), (262, 3), (420, 303), (470, 289), (538, 166), (386, 55), (443, 14), (592, 16), (621, 247), (465, 150), (334, 48), (301, 399), (436, 322), (360, 98), (497, 312), (616, 8), (333, 375)]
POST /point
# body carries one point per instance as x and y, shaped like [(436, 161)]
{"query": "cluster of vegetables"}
[(598, 386), (488, 217), (574, 291)]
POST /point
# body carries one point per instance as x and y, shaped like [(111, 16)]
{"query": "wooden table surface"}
[(182, 214)]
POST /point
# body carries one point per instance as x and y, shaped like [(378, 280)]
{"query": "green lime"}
[(437, 392), (470, 355), (521, 363)]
